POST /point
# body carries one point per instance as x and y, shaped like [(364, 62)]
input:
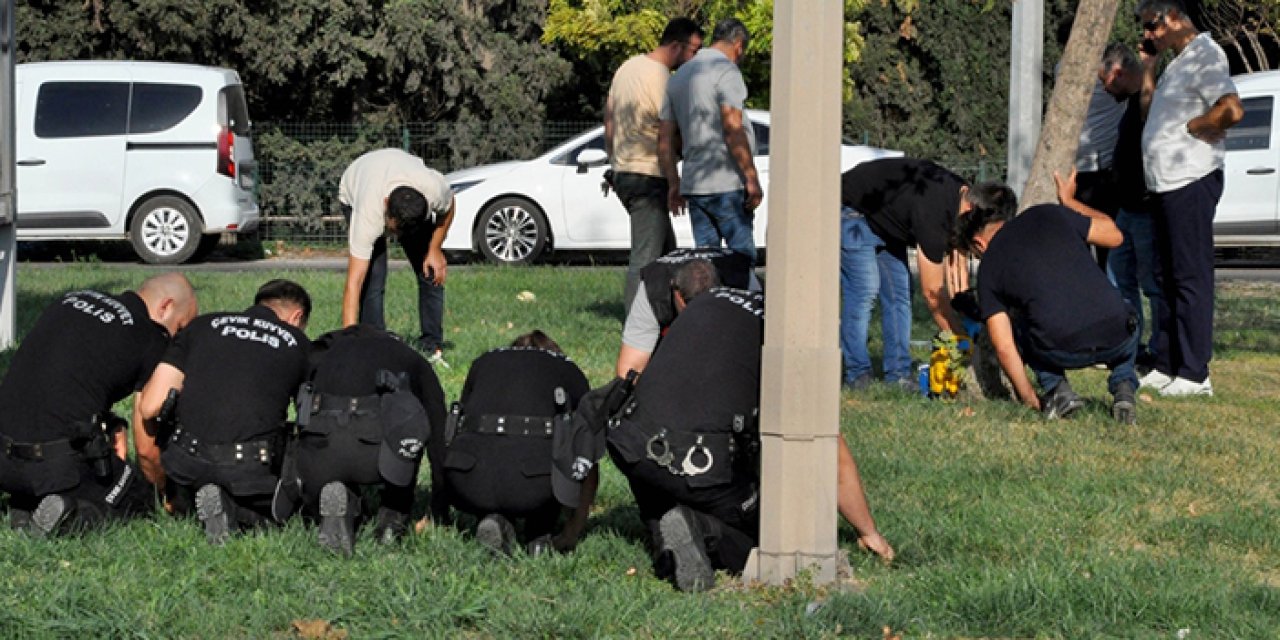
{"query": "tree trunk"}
[(1060, 134)]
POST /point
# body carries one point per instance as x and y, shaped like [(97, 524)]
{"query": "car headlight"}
[(459, 187)]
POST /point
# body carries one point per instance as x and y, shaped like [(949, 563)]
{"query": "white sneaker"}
[(1156, 379), (1185, 387)]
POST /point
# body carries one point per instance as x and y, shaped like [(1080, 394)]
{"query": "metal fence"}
[(299, 164)]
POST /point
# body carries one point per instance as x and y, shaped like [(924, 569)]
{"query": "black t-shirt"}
[(1039, 270), (241, 370), (346, 363), (521, 382), (708, 368), (907, 202), (86, 352), (1127, 161), (733, 268)]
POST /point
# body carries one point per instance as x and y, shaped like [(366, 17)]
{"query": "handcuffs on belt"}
[(665, 458)]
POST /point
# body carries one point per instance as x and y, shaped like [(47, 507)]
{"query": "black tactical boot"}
[(216, 513), (683, 535), (1123, 407), (51, 515), (338, 509)]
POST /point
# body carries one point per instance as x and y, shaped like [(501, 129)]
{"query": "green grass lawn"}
[(1005, 525)]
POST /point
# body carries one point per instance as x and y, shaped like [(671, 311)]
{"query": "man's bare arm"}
[(357, 270), (1000, 329), (735, 137), (669, 141), (932, 288), (1213, 124), (146, 407)]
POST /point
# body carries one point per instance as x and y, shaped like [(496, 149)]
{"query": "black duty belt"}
[(344, 404), (222, 453), (36, 451), (542, 426)]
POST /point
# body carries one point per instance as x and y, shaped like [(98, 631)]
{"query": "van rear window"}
[(80, 109), (157, 107), (233, 110)]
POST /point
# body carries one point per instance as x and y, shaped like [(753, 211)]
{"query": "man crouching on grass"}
[(1045, 302)]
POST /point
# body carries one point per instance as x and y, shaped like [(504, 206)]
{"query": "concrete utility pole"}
[(800, 384), (8, 200), (1026, 64)]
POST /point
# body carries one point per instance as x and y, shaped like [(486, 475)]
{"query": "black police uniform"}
[(499, 459), (240, 372), (733, 268), (689, 435), (354, 372), (87, 351)]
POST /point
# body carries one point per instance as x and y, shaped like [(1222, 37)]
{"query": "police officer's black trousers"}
[(509, 475), (354, 471), (734, 507), (121, 494)]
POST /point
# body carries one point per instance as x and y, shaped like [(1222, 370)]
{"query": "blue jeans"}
[(868, 270), (723, 217), (1131, 267), (430, 295), (1050, 365)]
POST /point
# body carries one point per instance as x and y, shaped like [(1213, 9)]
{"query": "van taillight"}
[(226, 155)]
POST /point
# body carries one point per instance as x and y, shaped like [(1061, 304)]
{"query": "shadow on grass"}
[(624, 521), (613, 310)]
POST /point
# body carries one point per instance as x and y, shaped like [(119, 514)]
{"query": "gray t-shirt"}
[(694, 97)]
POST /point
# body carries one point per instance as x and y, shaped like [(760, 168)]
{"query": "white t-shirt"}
[(1192, 83), (371, 178)]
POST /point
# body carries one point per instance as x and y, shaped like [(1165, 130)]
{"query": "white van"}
[(155, 152), (1249, 212)]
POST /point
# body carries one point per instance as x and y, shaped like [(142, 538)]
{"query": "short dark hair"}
[(731, 30), (694, 278), (680, 30), (536, 339), (288, 291), (1118, 54), (1160, 6), (407, 207), (991, 202)]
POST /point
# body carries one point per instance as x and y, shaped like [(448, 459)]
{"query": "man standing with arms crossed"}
[(702, 118), (631, 125), (1183, 150)]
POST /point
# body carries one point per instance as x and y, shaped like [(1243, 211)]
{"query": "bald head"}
[(170, 300)]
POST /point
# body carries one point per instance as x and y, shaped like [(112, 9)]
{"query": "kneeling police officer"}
[(370, 406), (687, 440), (234, 375), (514, 450), (62, 453)]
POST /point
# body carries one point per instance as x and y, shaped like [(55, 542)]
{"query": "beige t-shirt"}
[(371, 178), (638, 89)]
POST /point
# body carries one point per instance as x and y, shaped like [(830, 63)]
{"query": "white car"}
[(155, 152), (1249, 212), (513, 212)]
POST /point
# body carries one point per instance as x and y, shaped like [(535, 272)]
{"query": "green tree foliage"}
[(933, 78), (598, 35), (329, 60)]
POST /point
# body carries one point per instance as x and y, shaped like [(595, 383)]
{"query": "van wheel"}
[(512, 231), (165, 230)]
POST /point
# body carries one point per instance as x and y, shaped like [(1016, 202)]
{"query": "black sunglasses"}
[(1151, 24)]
